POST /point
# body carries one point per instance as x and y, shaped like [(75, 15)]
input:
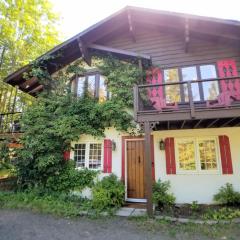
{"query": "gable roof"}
[(87, 41)]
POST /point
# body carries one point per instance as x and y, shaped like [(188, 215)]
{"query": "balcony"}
[(10, 123), (184, 105), (12, 103)]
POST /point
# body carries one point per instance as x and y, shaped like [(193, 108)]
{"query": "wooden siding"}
[(168, 49)]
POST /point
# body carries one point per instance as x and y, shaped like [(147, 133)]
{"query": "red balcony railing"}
[(187, 95)]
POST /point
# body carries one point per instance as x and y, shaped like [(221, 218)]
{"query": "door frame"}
[(124, 161)]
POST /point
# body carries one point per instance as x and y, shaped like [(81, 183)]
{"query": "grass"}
[(189, 230), (60, 205)]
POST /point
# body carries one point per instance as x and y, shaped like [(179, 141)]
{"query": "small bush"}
[(108, 193), (161, 195), (227, 196), (69, 179), (222, 214)]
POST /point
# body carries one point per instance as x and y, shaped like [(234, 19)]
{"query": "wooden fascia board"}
[(119, 51)]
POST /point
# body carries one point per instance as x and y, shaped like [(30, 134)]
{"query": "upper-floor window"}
[(201, 91), (93, 84)]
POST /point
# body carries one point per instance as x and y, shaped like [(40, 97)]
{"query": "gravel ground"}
[(23, 225)]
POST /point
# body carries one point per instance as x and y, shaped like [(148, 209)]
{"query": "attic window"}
[(94, 85)]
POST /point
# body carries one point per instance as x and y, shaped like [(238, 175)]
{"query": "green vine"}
[(57, 117)]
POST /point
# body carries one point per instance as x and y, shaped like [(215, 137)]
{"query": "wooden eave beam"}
[(28, 83), (37, 89), (119, 51), (84, 50), (131, 26)]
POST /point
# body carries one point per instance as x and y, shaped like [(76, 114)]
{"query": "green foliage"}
[(60, 205), (227, 195), (28, 29), (222, 214), (194, 206), (108, 193), (69, 179), (161, 195), (49, 126), (121, 77)]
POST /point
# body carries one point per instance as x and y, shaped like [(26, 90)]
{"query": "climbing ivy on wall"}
[(57, 117)]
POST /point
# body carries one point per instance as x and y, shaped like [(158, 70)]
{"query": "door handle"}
[(139, 159)]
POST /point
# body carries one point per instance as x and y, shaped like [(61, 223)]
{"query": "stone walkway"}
[(130, 212)]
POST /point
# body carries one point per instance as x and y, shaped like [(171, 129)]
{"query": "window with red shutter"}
[(225, 152), (170, 156), (107, 163)]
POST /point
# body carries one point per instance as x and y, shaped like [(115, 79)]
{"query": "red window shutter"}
[(225, 152), (228, 68), (107, 163), (170, 156), (66, 155)]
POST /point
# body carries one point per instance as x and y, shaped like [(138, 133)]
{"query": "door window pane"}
[(190, 74), (186, 155), (210, 89), (207, 154), (80, 86), (172, 92)]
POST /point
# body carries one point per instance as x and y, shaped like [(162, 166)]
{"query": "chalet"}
[(188, 106)]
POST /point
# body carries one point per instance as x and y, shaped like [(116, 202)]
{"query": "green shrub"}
[(161, 195), (108, 193), (222, 214), (69, 179), (64, 179), (194, 206), (227, 195)]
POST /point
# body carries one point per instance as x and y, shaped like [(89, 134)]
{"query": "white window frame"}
[(87, 151), (198, 169)]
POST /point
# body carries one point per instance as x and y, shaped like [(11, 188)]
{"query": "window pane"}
[(95, 155), (172, 92), (207, 154), (80, 155), (80, 86), (190, 74), (186, 154), (102, 89), (91, 84), (210, 89)]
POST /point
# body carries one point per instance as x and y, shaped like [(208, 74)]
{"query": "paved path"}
[(22, 225)]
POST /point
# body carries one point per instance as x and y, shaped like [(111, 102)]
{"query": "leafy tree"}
[(28, 28)]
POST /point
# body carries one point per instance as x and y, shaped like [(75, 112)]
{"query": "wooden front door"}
[(135, 169)]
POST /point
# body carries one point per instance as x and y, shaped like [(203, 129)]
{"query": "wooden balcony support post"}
[(190, 98), (148, 169)]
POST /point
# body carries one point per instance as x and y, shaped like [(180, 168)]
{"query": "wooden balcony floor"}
[(187, 118)]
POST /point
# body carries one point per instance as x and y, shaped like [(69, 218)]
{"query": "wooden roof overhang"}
[(128, 19)]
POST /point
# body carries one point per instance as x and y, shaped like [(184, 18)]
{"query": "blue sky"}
[(76, 15)]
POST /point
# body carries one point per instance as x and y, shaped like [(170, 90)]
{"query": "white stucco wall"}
[(186, 187)]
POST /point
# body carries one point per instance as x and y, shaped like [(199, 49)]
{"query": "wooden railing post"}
[(190, 98)]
